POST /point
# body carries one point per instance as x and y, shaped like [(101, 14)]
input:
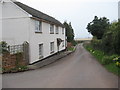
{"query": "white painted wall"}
[(11, 10), (15, 31), (18, 27), (43, 38), (0, 40), (15, 24), (0, 21)]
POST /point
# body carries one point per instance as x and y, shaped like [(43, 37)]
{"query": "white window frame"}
[(51, 28), (63, 30), (38, 26), (57, 30), (40, 50), (51, 47)]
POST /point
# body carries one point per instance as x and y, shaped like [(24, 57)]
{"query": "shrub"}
[(107, 60), (22, 68), (74, 43), (117, 60), (3, 47), (96, 43)]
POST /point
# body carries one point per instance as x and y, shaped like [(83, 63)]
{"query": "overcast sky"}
[(78, 12)]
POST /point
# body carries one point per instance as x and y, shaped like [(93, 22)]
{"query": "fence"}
[(15, 49), (15, 55)]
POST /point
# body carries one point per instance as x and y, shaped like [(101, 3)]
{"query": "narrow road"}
[(78, 70)]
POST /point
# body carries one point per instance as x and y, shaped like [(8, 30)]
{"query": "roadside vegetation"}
[(72, 48), (105, 45), (70, 33), (110, 62)]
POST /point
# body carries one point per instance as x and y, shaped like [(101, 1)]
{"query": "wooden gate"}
[(26, 51)]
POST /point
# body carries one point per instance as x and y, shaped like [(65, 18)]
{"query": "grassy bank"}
[(106, 60), (70, 49)]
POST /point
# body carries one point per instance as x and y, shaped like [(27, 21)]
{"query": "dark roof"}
[(38, 14)]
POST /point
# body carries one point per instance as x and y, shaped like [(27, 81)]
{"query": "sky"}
[(78, 12)]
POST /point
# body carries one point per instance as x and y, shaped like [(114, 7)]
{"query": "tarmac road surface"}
[(77, 70)]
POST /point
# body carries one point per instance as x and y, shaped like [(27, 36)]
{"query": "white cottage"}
[(22, 23)]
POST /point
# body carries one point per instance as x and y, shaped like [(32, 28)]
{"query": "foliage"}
[(74, 43), (3, 47), (71, 49), (110, 40), (98, 26), (96, 43), (113, 68), (107, 49), (16, 69), (105, 59), (69, 33), (117, 60), (116, 38)]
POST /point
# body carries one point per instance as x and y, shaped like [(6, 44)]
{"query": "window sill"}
[(38, 32), (51, 52)]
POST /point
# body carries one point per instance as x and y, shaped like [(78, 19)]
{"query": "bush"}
[(112, 63), (108, 59), (117, 60), (74, 43), (96, 43), (110, 42), (3, 47)]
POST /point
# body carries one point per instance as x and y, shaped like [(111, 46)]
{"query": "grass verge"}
[(104, 59), (71, 48)]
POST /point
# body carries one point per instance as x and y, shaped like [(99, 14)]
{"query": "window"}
[(57, 30), (40, 50), (51, 29), (62, 30), (51, 47), (63, 43), (38, 27)]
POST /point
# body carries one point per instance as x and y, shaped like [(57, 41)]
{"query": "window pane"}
[(57, 30), (63, 43), (62, 30), (38, 26), (52, 28), (52, 47), (40, 49)]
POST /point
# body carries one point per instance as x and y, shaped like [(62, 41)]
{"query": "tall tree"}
[(98, 26), (69, 32)]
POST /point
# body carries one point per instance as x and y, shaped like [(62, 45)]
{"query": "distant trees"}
[(98, 26), (69, 32)]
